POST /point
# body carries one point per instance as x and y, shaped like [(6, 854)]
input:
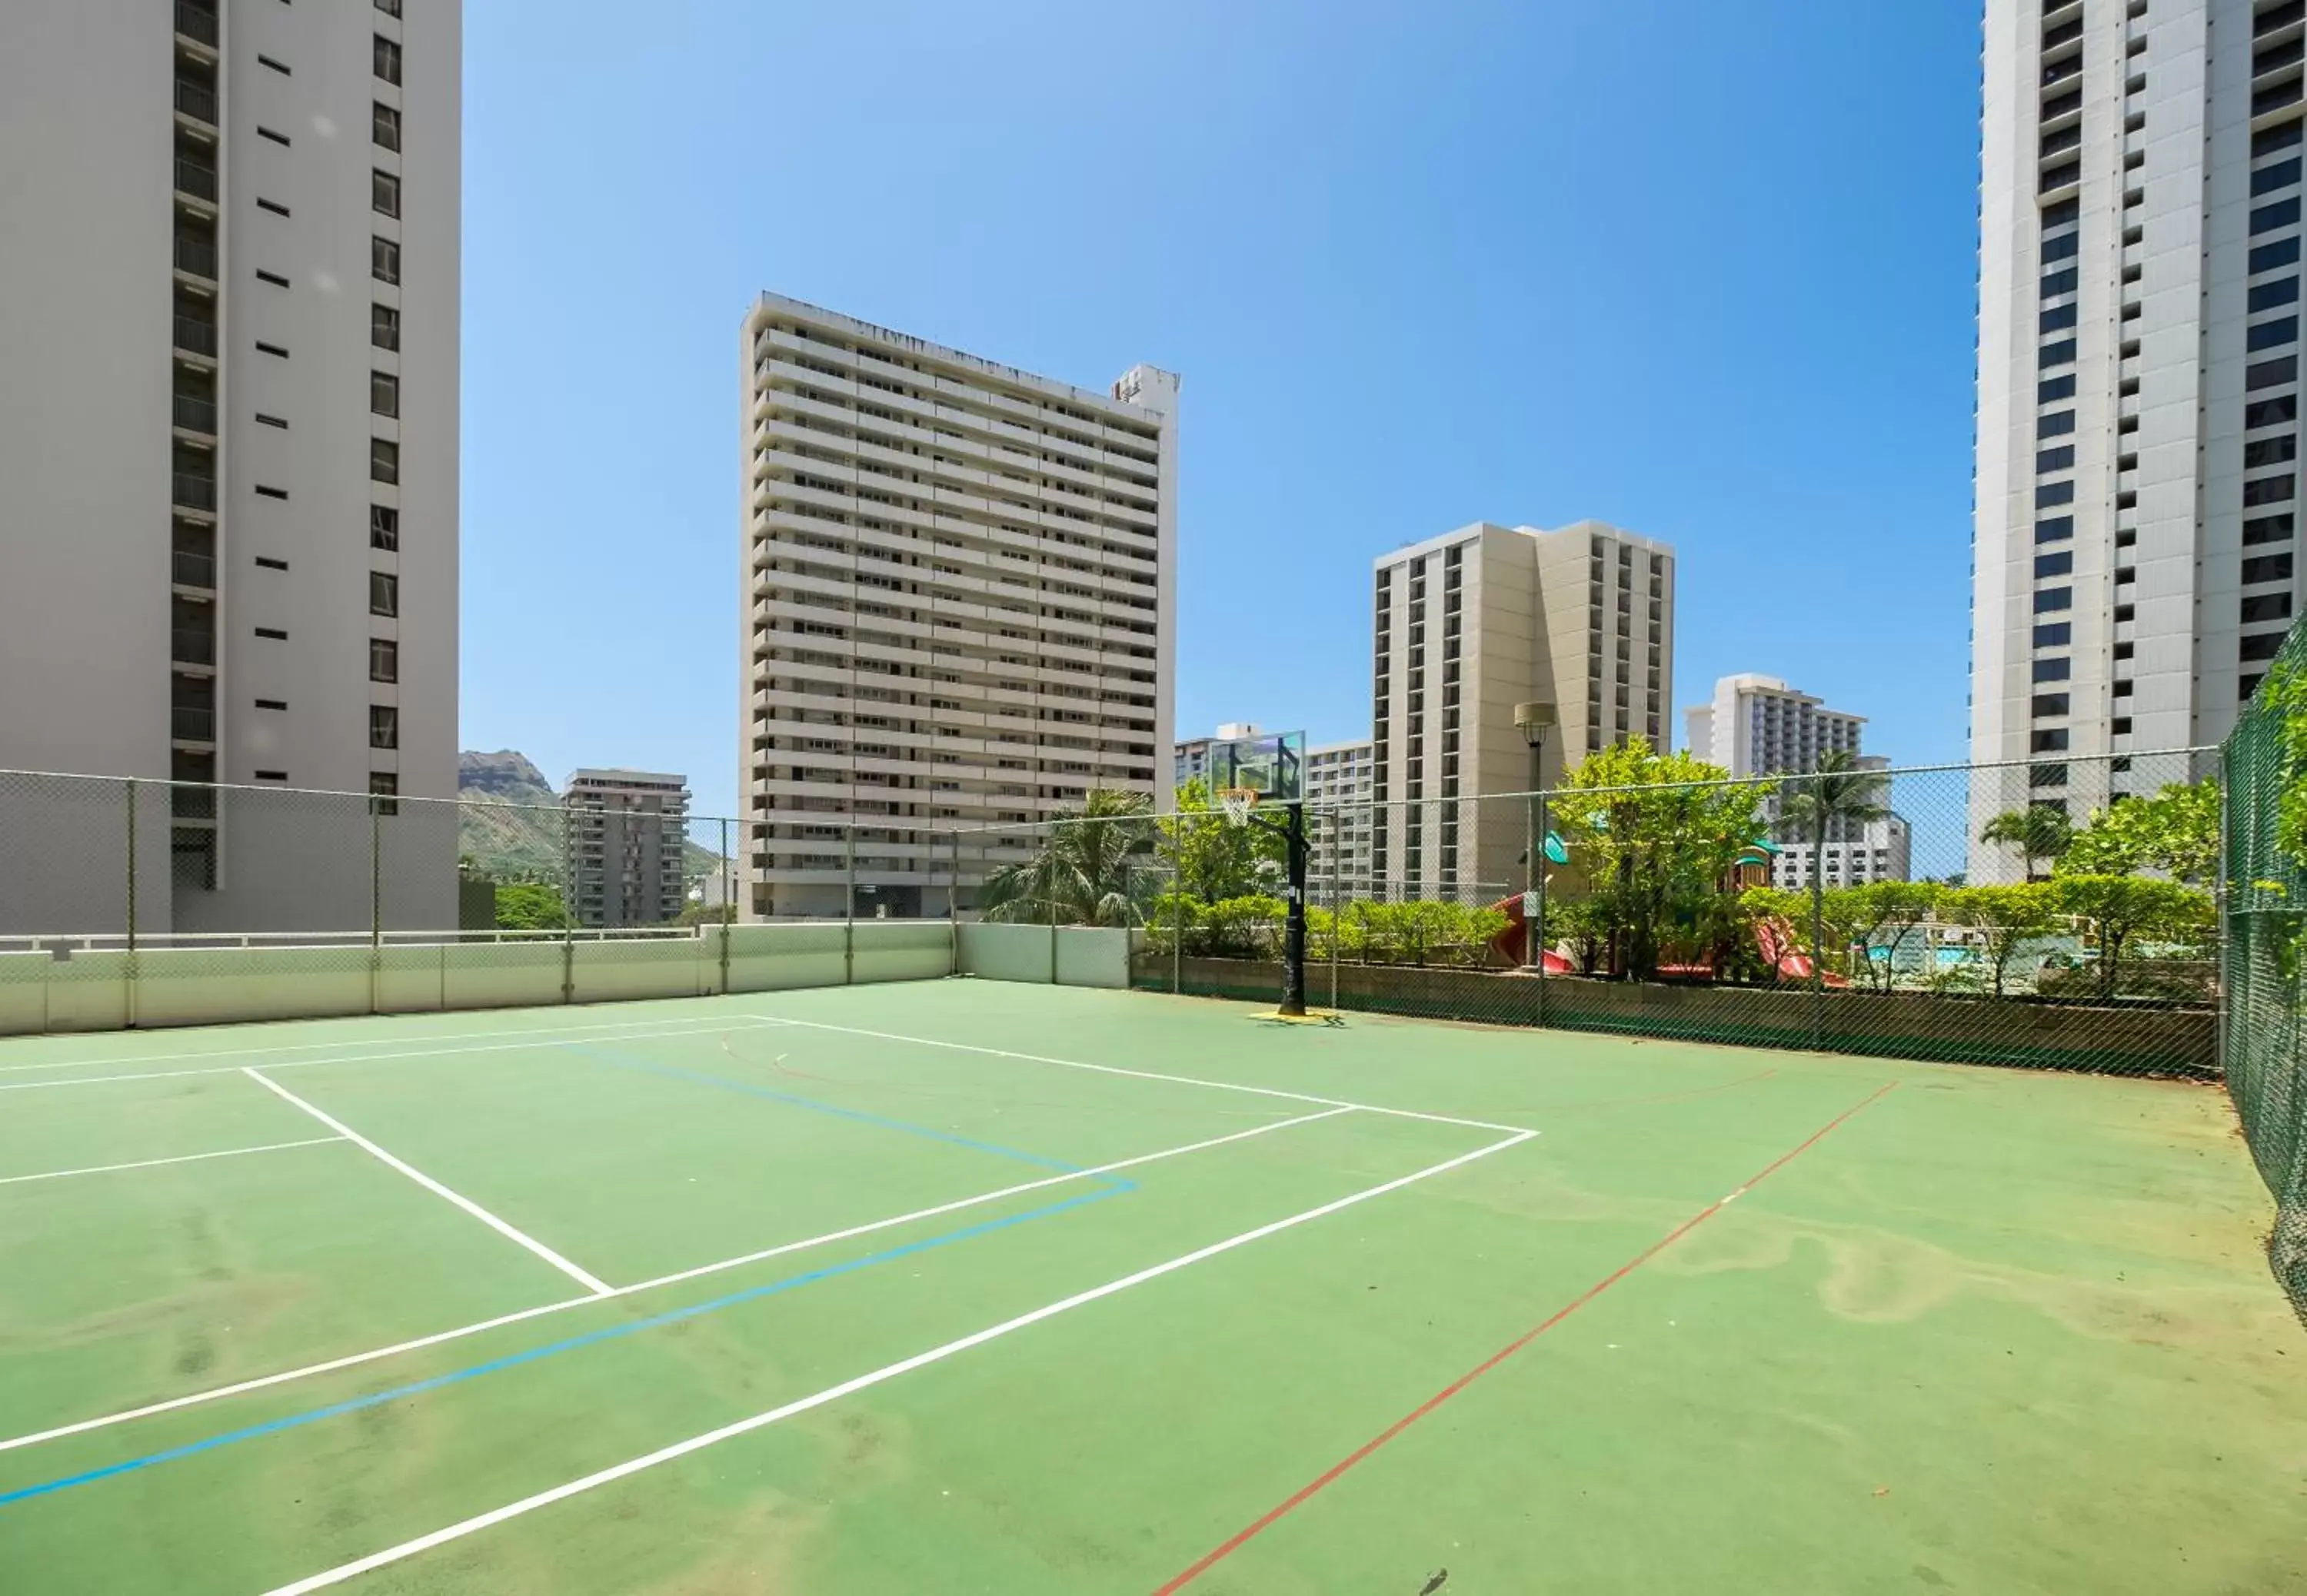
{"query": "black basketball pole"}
[(1293, 936)]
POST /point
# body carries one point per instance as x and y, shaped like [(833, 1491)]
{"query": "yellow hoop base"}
[(1310, 1017)]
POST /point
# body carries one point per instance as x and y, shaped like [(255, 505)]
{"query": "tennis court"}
[(972, 1286)]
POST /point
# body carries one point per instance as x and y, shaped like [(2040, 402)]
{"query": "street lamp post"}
[(1535, 720)]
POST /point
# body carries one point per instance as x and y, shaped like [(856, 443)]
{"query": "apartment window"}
[(2269, 489), (2056, 355), (2064, 247), (2266, 606), (2058, 669), (265, 133), (275, 350), (2059, 317), (385, 327), (2272, 335), (2282, 291), (391, 8), (2054, 741), (274, 206), (2052, 600), (2273, 139), (2061, 458), (386, 786), (383, 528), (387, 59), (384, 593), (384, 726), (2047, 494), (2047, 705), (2270, 451), (276, 66), (2266, 567), (271, 775), (2267, 257), (2260, 645), (383, 461), (274, 632), (2272, 413), (2267, 373), (2054, 388), (2281, 174), (266, 491), (383, 192), (2057, 424), (2268, 529), (384, 260), (2054, 565), (383, 394), (2059, 282), (273, 278), (2266, 218), (384, 659), (267, 563), (2056, 529)]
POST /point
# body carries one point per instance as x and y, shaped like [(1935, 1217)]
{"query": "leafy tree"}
[(2038, 832), (707, 913), (1217, 860), (530, 906), (2177, 831), (2008, 918), (2127, 907), (1088, 870), (1662, 834)]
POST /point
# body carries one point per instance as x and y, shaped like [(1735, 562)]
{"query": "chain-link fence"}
[(2264, 770), (2049, 913)]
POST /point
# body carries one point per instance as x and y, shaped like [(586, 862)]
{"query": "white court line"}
[(353, 1360), (1223, 1085), (455, 1531), (269, 1147), (361, 1058), (597, 1286), (241, 1052)]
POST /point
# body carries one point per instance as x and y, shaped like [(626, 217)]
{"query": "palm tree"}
[(1082, 873), (2038, 832), (1838, 796)]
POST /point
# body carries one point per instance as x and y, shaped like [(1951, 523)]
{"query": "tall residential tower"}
[(1467, 625), (2138, 417), (229, 436), (958, 582)]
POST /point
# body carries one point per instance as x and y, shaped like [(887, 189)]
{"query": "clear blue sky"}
[(1704, 270)]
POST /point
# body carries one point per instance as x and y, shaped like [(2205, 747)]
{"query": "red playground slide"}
[(1511, 944), (1776, 940)]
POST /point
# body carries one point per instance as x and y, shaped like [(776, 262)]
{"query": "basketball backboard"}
[(1272, 763)]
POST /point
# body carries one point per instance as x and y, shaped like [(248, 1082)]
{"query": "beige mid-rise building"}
[(1340, 778), (1471, 623), (228, 456), (958, 582)]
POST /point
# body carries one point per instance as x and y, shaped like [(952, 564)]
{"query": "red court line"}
[(1299, 1498)]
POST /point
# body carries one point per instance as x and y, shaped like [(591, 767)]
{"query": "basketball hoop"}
[(1238, 802)]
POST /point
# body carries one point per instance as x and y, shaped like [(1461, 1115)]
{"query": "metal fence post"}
[(567, 915), (1177, 906), (2222, 921), (728, 902), (376, 900), (1818, 934), (849, 903), (1337, 895), (953, 901), (134, 974), (1535, 931), (1053, 918)]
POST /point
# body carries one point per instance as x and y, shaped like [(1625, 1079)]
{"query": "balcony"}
[(197, 23), (197, 256), (197, 180), (190, 646), (198, 103), (194, 415), (190, 569), (192, 492), (188, 725), (191, 803), (196, 337)]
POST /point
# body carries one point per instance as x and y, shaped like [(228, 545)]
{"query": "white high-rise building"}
[(1340, 778), (228, 453), (958, 611), (1191, 758), (1471, 623), (1757, 725), (2137, 414)]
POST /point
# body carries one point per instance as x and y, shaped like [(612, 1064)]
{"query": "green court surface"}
[(967, 1286)]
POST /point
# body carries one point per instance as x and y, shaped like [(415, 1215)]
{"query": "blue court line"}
[(633, 1061), (590, 1338)]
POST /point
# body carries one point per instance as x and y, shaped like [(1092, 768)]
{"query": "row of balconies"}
[(946, 595), (902, 528), (789, 411), (778, 470)]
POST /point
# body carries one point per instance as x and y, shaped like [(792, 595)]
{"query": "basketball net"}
[(1238, 802)]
